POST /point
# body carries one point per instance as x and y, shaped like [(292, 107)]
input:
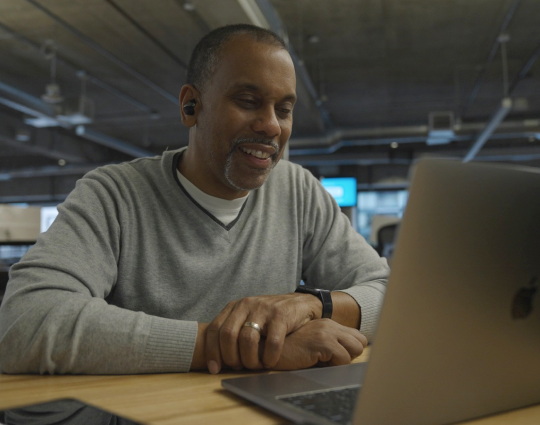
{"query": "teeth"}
[(258, 154)]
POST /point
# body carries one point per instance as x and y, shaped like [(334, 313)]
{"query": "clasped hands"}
[(292, 336)]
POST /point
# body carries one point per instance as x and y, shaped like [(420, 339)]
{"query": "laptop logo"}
[(522, 304)]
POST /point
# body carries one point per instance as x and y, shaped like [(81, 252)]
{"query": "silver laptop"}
[(459, 331)]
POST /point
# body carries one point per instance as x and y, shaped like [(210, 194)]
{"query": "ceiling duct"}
[(441, 128)]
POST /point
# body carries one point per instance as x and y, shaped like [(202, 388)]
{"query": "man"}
[(190, 260)]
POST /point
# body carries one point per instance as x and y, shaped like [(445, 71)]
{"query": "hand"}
[(321, 342), (228, 341)]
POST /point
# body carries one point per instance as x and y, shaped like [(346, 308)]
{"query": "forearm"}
[(57, 332), (346, 310)]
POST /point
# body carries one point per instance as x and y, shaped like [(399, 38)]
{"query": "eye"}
[(247, 102), (284, 112)]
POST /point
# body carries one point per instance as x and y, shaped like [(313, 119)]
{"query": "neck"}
[(187, 165)]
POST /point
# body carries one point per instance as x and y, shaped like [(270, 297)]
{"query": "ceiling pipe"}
[(111, 142), (276, 26), (129, 69), (417, 133), (40, 150), (345, 143), (501, 113), (383, 159), (337, 139), (100, 83), (479, 80), (526, 68), (27, 110), (34, 103), (48, 171)]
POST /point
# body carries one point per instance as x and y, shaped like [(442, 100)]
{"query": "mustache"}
[(260, 141)]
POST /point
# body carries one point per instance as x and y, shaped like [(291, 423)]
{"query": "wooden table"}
[(194, 398)]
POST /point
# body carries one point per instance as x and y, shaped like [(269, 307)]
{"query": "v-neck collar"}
[(175, 162)]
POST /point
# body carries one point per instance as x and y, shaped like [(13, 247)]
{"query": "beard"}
[(255, 177)]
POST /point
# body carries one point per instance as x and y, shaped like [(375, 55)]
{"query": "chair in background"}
[(386, 240)]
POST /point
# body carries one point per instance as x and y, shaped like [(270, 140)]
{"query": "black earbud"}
[(189, 108)]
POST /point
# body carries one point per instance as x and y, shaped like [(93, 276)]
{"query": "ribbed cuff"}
[(170, 346), (369, 297)]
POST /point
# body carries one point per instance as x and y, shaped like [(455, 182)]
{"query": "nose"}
[(266, 123)]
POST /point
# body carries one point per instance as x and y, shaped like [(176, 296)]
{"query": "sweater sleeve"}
[(54, 317), (336, 257)]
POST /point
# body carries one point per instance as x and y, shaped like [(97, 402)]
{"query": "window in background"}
[(381, 203), (48, 215)]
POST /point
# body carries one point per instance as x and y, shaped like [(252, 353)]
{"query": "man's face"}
[(245, 117)]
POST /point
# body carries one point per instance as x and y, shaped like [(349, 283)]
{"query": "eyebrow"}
[(253, 87)]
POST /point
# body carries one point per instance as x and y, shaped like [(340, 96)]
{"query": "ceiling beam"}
[(117, 61), (147, 34), (98, 82), (52, 121), (112, 142), (45, 151)]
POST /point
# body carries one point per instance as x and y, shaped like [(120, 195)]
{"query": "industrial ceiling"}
[(381, 83)]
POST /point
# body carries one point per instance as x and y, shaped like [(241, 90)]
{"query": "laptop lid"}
[(459, 332)]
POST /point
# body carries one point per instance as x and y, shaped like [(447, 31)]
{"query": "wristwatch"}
[(325, 297)]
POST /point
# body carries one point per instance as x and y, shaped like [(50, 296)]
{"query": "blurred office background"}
[(381, 83)]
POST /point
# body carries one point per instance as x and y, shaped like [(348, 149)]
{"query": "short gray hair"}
[(206, 54)]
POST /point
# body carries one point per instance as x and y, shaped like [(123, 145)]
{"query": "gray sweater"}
[(132, 263)]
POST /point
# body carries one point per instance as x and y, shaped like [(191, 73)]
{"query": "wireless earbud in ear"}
[(189, 108)]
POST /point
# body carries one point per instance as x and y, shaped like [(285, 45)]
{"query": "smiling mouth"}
[(256, 153)]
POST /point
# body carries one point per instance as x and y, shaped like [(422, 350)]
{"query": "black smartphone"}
[(64, 411)]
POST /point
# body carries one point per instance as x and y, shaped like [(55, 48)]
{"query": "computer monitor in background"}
[(343, 190)]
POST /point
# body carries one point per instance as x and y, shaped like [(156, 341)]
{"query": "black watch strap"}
[(324, 295)]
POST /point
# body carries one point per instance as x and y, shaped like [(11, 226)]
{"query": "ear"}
[(187, 94)]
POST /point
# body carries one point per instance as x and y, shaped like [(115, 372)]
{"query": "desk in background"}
[(191, 398)]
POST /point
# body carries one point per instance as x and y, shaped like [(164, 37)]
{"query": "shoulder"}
[(133, 172), (288, 172), (291, 181)]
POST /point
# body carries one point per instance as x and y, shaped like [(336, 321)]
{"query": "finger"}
[(340, 356), (212, 347), (356, 334), (248, 344), (353, 346), (273, 346), (229, 336)]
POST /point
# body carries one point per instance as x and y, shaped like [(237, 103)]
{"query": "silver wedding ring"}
[(253, 325)]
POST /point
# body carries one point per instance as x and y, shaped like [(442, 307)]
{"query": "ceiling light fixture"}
[(52, 93), (190, 7)]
